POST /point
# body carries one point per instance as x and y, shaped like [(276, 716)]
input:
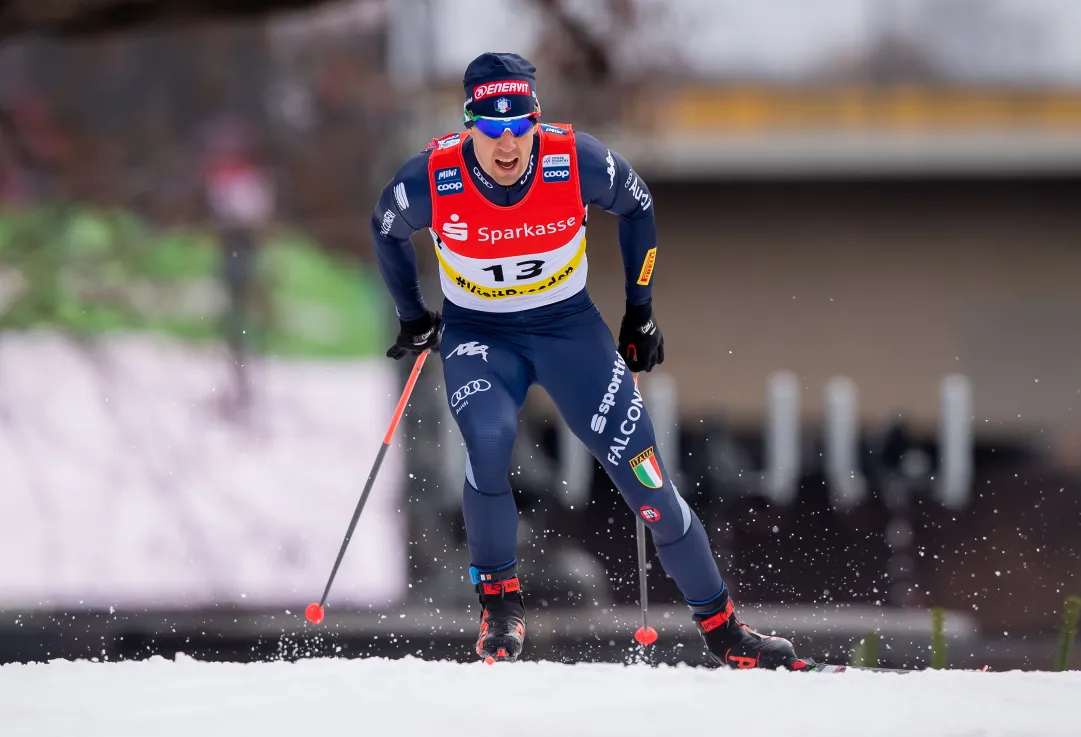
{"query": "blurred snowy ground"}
[(440, 699)]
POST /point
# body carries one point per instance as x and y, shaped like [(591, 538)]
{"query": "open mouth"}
[(507, 164)]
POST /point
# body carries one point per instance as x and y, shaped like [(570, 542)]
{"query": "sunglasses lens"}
[(493, 128)]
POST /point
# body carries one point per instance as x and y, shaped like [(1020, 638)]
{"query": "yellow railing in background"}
[(750, 109)]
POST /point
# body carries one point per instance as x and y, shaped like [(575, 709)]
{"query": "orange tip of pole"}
[(645, 635), (314, 613)]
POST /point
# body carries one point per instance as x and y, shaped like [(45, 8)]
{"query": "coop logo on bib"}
[(448, 181), (647, 469), (556, 167)]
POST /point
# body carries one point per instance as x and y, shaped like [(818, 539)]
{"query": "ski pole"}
[(644, 635), (315, 611)]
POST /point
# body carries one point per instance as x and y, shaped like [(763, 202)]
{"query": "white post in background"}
[(782, 437), (575, 470), (955, 443), (661, 398), (842, 437), (409, 50)]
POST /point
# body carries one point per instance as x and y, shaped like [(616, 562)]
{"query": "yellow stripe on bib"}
[(516, 291)]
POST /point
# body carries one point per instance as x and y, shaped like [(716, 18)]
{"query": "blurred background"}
[(870, 244)]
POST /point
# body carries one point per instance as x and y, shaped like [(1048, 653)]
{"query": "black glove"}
[(640, 341), (415, 336)]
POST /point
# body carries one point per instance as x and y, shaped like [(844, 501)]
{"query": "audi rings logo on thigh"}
[(474, 387)]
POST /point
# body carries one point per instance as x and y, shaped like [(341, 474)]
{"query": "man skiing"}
[(506, 202)]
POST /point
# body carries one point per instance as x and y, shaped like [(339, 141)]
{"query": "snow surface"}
[(441, 699)]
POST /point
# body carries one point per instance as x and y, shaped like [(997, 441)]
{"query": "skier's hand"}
[(640, 341), (415, 336)]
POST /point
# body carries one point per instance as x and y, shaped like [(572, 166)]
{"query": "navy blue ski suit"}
[(490, 360)]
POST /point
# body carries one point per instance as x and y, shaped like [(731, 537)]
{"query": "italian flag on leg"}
[(647, 469)]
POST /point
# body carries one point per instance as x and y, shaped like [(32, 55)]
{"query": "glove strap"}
[(417, 326), (638, 315)]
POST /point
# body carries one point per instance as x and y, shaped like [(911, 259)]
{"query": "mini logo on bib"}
[(448, 181)]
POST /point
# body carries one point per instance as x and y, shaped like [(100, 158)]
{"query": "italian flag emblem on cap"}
[(647, 469)]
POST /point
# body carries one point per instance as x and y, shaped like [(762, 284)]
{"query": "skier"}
[(506, 202)]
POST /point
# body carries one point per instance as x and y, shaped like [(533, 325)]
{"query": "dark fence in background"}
[(1002, 565)]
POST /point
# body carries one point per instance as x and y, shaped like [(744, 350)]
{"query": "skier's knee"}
[(489, 446), (491, 439), (667, 516)]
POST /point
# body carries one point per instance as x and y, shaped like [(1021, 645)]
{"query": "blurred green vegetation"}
[(92, 272)]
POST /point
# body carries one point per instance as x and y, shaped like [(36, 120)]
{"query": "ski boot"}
[(736, 645), (502, 619)]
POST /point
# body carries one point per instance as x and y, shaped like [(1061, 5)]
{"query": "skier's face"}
[(504, 159)]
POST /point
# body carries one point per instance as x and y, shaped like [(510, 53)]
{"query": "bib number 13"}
[(530, 269)]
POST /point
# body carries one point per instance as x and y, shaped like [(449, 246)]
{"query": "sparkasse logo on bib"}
[(493, 235), (454, 230)]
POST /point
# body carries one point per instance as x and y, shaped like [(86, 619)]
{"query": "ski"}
[(829, 668)]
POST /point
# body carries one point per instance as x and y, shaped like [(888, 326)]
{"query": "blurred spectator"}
[(241, 195), (14, 187)]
